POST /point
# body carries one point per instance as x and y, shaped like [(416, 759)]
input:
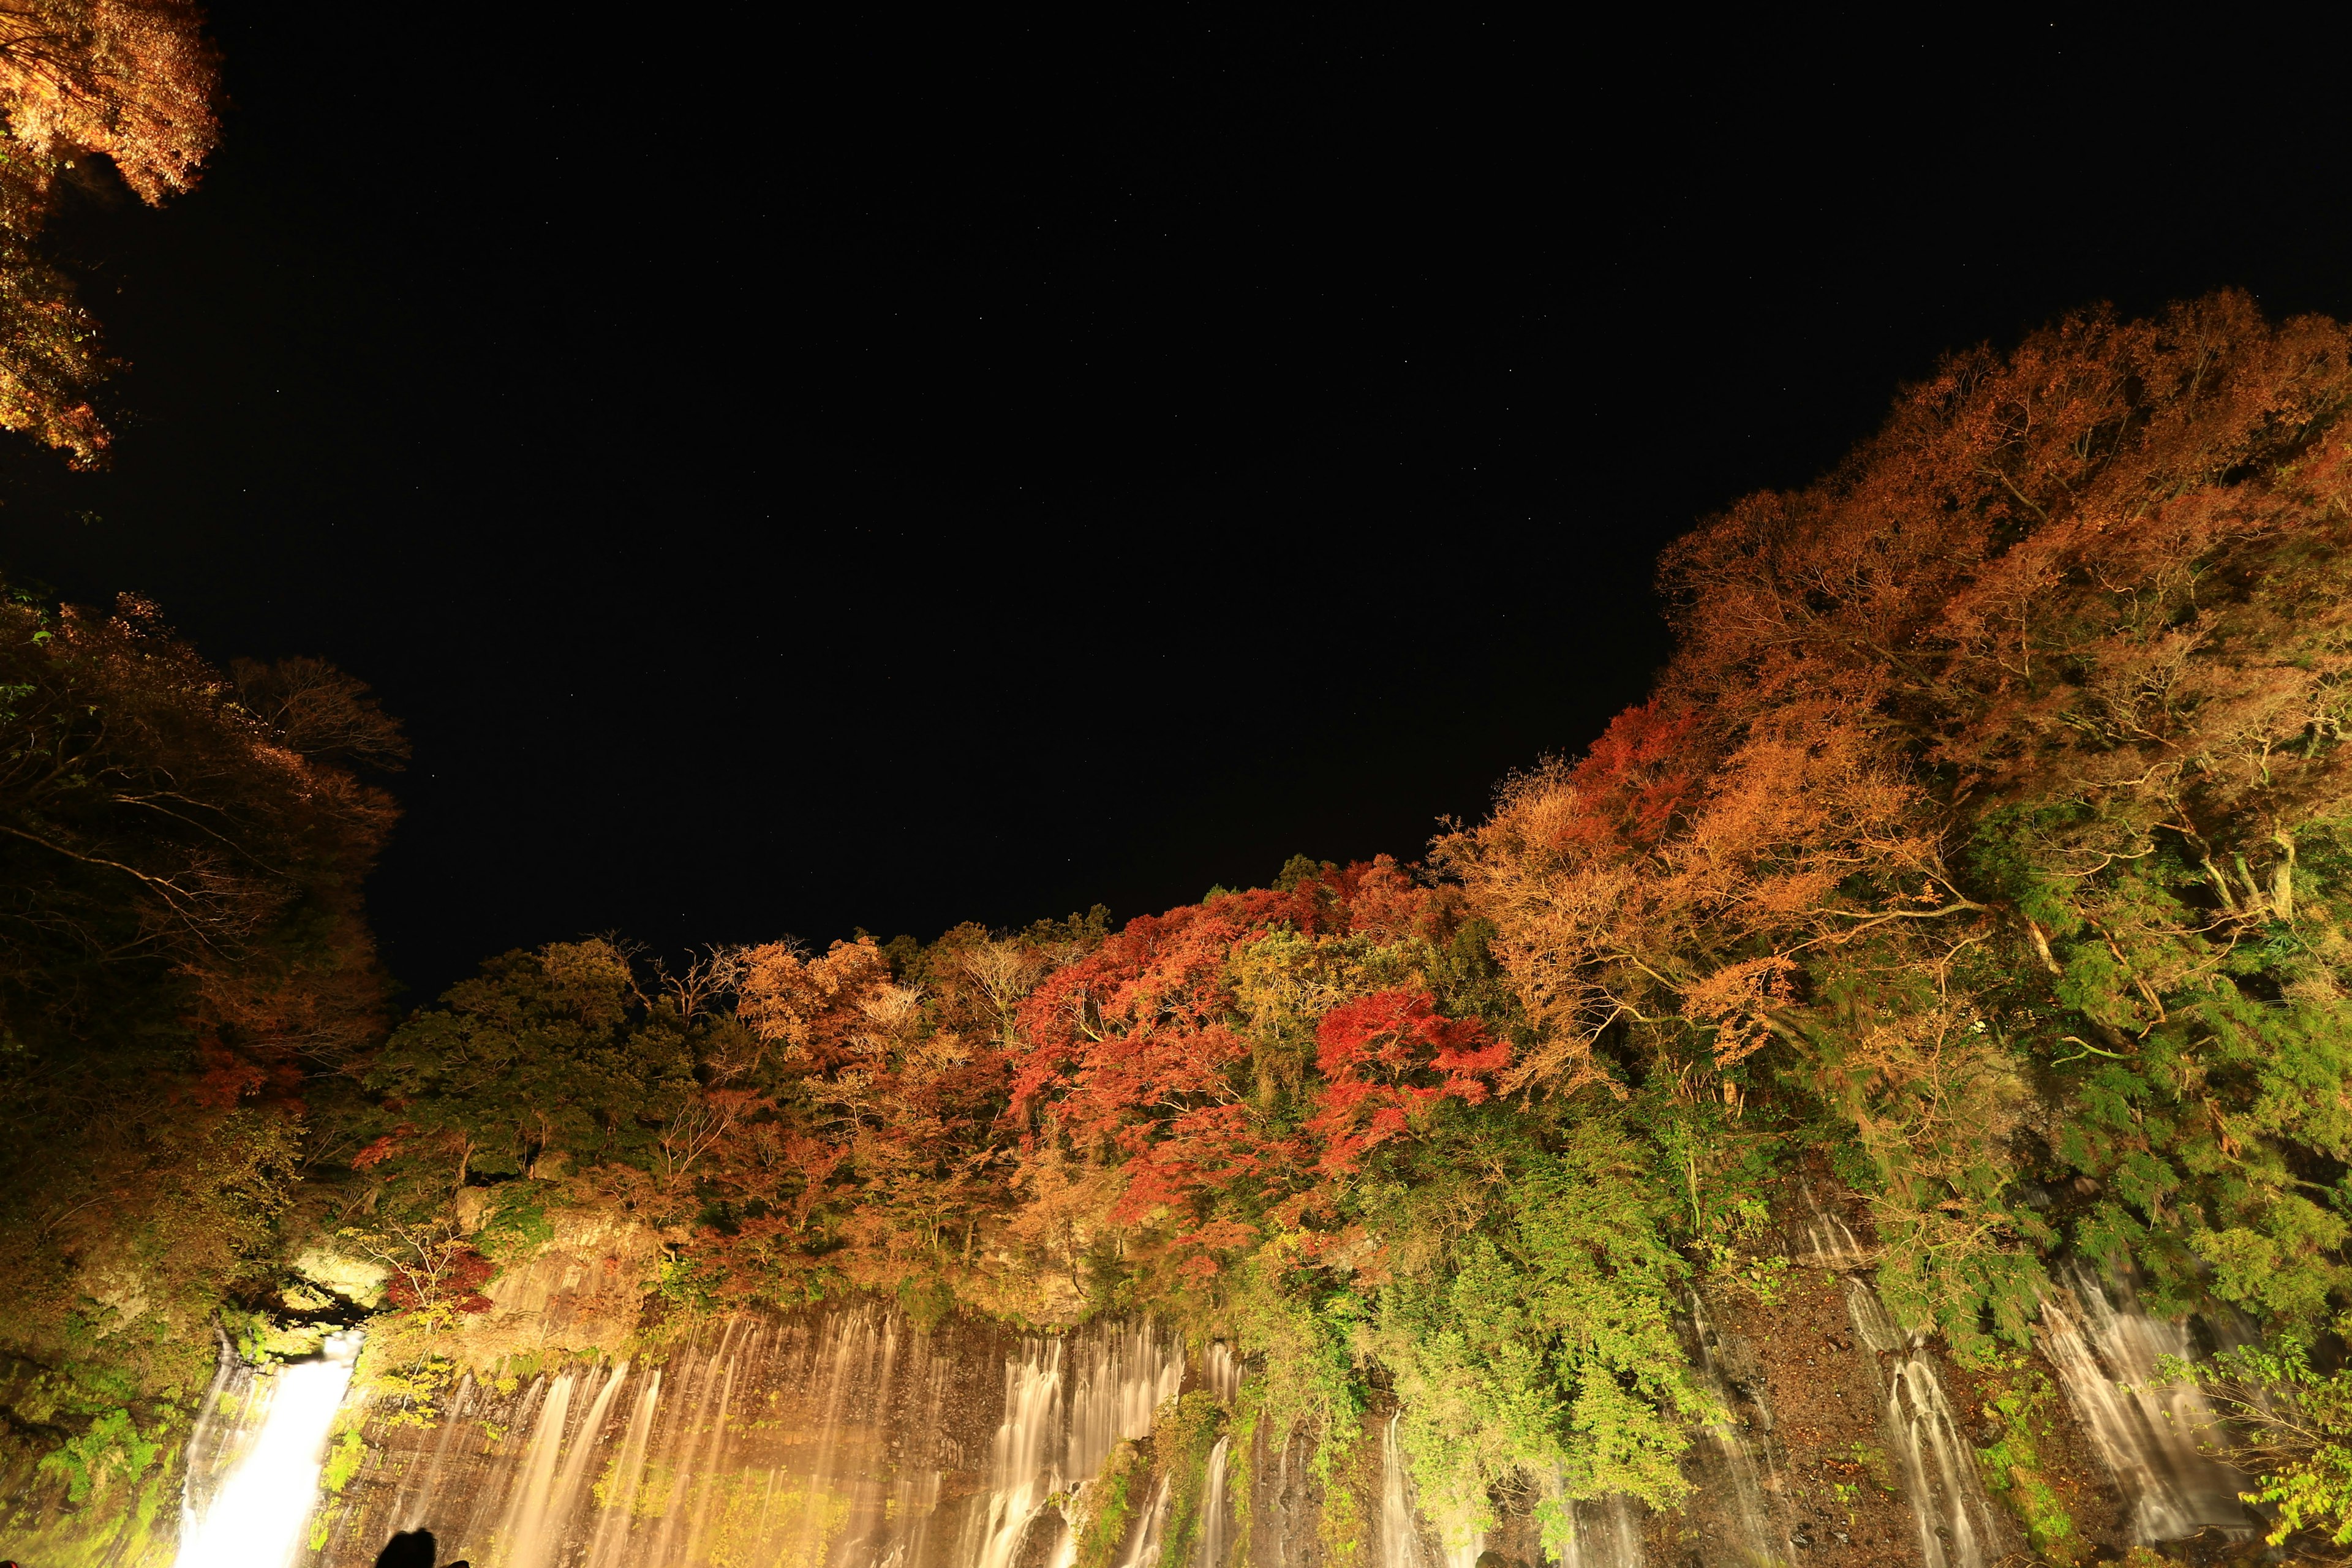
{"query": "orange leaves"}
[(2105, 573), (382, 1149), (1737, 1002), (131, 79), (134, 81), (1139, 1021), (811, 1006)]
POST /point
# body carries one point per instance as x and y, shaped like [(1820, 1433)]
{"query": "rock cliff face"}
[(852, 1434)]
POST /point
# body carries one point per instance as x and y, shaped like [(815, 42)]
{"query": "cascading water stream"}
[(1956, 1522), (1401, 1545), (1741, 1463), (1021, 1470), (1604, 1534), (628, 1474), (1145, 1552), (821, 1440), (1211, 1553), (1068, 1402), (2147, 1432), (263, 1471)]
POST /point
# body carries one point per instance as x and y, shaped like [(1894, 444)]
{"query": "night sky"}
[(795, 481)]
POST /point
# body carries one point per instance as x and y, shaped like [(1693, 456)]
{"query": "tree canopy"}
[(129, 81)]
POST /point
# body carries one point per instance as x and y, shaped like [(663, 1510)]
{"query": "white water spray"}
[(1400, 1531), (2150, 1433), (1956, 1522), (268, 1465), (1211, 1553)]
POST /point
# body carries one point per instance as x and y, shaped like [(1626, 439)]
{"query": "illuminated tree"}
[(131, 81)]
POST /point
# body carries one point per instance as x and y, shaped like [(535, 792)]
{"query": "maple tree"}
[(131, 81), (185, 967)]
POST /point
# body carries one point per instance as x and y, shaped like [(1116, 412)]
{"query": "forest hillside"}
[(1977, 868)]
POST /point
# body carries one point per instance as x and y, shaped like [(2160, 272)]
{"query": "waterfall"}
[(1211, 1553), (822, 1439), (1604, 1534), (1400, 1529), (1145, 1552), (1736, 1482), (414, 1505), (533, 1530), (628, 1475), (1221, 1370), (1021, 1474), (261, 1470), (1123, 1374), (1829, 1242), (1956, 1522), (2147, 1432), (1401, 1545), (1068, 1402), (526, 1505)]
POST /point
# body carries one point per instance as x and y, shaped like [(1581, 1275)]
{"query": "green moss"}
[(1110, 1502), (112, 1446), (343, 1462), (2019, 1405)]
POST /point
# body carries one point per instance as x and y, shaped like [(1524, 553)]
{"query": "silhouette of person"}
[(409, 1549)]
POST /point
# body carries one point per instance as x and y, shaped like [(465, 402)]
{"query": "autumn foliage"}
[(129, 81), (1979, 857)]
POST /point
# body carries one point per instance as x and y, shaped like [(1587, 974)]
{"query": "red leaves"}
[(224, 1077), (1135, 1049), (1139, 1021), (1381, 1055), (383, 1148), (1641, 772), (458, 1282)]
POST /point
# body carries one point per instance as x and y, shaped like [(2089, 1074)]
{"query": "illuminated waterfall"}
[(1401, 1545), (2147, 1432), (1956, 1522), (1737, 1464), (1605, 1534), (1068, 1402), (254, 1475), (1213, 1508), (820, 1439), (1145, 1552)]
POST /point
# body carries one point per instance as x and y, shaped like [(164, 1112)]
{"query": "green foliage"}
[(407, 1394), (344, 1457), (2018, 1407), (2296, 1422), (1543, 1341), (1183, 1431), (516, 1222), (111, 1447), (1303, 1328), (1109, 1505), (550, 1051)]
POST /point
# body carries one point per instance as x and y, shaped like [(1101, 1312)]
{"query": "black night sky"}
[(790, 481)]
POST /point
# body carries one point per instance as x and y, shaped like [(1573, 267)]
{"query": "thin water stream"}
[(2149, 1433), (1956, 1526)]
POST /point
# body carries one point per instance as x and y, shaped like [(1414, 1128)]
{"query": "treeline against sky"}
[(1979, 853)]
